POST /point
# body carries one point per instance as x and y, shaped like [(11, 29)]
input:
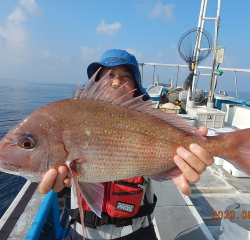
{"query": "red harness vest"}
[(121, 198)]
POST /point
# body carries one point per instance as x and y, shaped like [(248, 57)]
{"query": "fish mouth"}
[(10, 167)]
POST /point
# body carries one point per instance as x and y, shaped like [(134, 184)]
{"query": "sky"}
[(54, 41)]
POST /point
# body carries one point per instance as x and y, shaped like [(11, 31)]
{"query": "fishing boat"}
[(200, 215), (33, 215)]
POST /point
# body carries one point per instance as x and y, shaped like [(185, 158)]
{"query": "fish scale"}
[(110, 139)]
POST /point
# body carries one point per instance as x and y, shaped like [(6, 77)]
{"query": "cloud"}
[(160, 53), (107, 29), (134, 52), (174, 47), (14, 37), (17, 16), (44, 54), (15, 34), (20, 60), (30, 6), (165, 12), (87, 53), (47, 55)]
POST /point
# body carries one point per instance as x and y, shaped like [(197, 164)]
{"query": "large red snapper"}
[(108, 138)]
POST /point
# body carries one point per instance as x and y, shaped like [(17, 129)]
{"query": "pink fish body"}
[(104, 139)]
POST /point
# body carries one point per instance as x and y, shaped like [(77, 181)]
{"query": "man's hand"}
[(55, 180), (192, 163)]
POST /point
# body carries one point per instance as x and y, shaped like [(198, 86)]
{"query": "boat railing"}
[(178, 66), (49, 204)]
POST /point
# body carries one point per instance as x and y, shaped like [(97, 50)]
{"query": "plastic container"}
[(237, 224), (193, 121), (218, 161), (156, 104), (233, 170), (183, 96), (208, 117), (211, 132), (223, 130), (155, 92), (237, 115), (175, 110)]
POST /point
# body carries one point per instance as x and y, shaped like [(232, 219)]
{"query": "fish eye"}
[(27, 142)]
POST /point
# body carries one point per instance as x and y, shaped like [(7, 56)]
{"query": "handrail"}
[(50, 202), (201, 67)]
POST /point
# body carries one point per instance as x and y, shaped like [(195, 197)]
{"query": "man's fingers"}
[(59, 181), (193, 161), (48, 181), (203, 130), (182, 183), (67, 182), (202, 154), (190, 174), (192, 164)]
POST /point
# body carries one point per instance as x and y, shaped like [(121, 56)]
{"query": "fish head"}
[(33, 146)]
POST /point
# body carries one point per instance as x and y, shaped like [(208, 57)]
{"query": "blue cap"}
[(117, 57)]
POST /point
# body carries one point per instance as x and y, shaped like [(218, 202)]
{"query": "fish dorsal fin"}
[(77, 91), (125, 97), (104, 91), (116, 93), (98, 86), (83, 92)]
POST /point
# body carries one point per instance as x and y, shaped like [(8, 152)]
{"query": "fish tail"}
[(237, 149)]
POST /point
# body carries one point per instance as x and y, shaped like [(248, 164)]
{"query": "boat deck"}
[(175, 215), (181, 217)]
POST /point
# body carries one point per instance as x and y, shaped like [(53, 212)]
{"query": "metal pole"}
[(211, 88), (153, 75), (236, 88), (215, 81), (141, 70), (177, 77), (200, 67), (200, 27), (196, 52)]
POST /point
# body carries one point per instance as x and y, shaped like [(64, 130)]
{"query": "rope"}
[(173, 95)]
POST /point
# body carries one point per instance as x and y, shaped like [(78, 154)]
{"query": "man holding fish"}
[(123, 69)]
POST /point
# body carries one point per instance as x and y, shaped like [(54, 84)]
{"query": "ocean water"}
[(241, 95), (17, 100)]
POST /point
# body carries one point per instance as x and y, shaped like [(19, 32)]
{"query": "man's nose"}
[(116, 82)]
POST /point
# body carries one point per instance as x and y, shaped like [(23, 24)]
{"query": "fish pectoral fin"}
[(166, 175), (74, 181), (93, 194)]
